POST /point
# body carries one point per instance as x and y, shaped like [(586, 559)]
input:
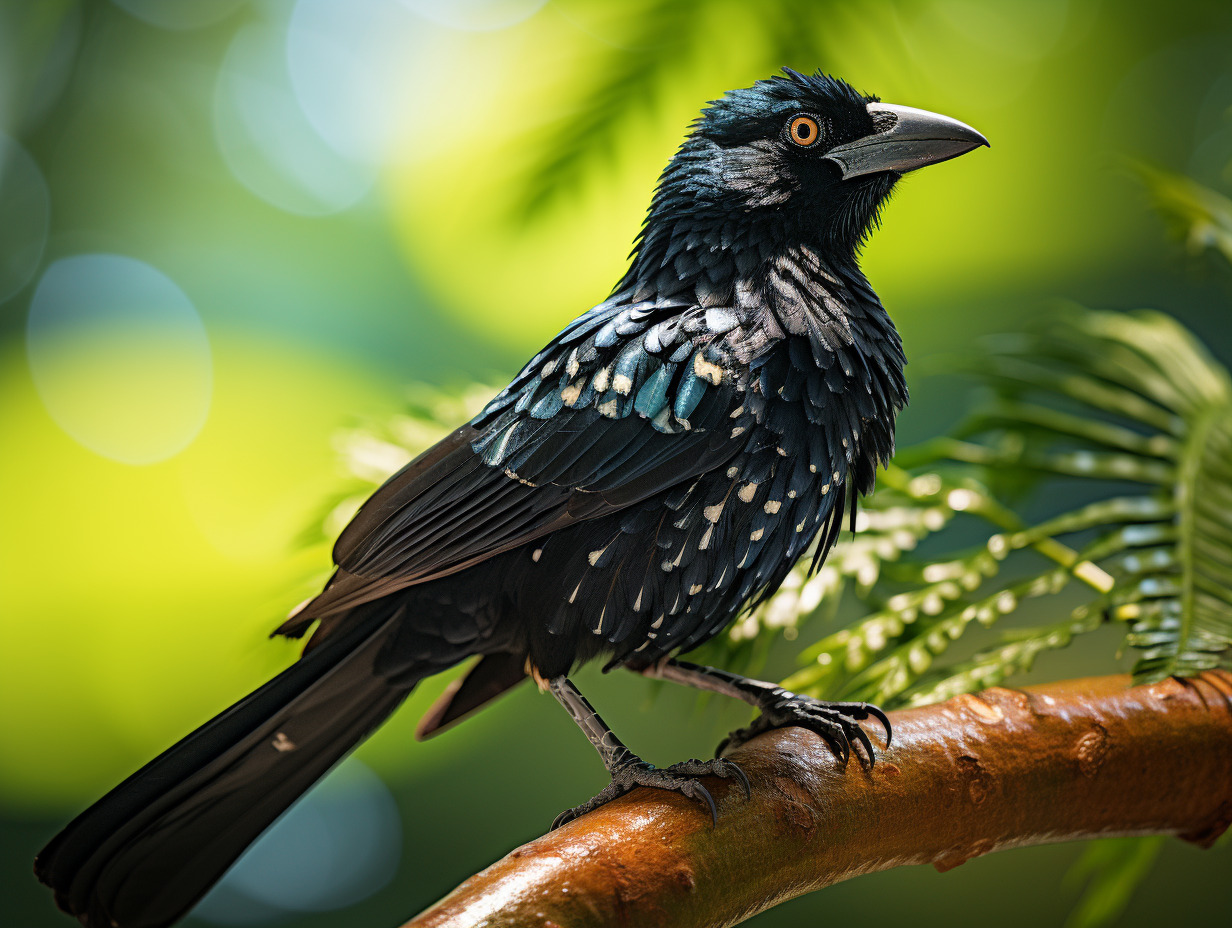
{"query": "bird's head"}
[(795, 159)]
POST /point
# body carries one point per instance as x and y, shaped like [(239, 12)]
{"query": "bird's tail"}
[(142, 855)]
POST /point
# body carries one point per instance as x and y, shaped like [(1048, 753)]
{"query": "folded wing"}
[(627, 401)]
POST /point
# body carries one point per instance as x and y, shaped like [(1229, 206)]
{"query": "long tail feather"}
[(147, 851)]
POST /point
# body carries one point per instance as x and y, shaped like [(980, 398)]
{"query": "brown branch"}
[(1007, 768)]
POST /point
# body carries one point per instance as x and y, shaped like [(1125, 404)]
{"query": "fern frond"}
[(1112, 869), (630, 76), (1153, 380), (627, 79), (1015, 654), (1198, 215)]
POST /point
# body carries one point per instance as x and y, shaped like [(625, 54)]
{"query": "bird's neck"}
[(782, 285), (791, 273), (687, 244)]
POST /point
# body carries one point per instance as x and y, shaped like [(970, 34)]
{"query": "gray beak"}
[(915, 138)]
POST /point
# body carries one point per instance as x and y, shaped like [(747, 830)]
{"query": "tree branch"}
[(1066, 761)]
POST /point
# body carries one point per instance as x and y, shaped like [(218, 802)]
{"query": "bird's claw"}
[(681, 778), (835, 722)]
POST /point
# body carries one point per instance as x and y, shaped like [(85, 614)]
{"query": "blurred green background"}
[(230, 230)]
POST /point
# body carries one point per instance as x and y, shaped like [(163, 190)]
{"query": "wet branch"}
[(1006, 768)]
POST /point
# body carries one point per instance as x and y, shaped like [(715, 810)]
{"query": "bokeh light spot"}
[(25, 211), (351, 70), (120, 357), (476, 15), (266, 139), (338, 845)]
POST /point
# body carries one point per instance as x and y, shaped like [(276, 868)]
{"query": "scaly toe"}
[(837, 723), (603, 797), (680, 778)]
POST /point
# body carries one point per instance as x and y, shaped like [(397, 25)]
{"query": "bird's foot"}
[(681, 778), (835, 722)]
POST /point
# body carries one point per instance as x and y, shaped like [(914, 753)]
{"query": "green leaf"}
[(1112, 869), (1159, 413), (1198, 215), (1197, 632), (628, 78)]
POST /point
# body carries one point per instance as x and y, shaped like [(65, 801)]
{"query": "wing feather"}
[(591, 426)]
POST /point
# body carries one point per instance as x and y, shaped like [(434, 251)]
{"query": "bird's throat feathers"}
[(724, 217), (723, 231), (678, 252)]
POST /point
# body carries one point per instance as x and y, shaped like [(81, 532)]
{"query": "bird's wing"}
[(627, 401)]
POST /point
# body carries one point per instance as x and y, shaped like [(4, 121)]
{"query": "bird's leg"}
[(836, 722), (626, 768)]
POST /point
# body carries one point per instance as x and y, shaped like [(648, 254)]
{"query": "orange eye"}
[(803, 131)]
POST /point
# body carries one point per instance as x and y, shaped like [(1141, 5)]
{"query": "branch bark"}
[(1005, 768)]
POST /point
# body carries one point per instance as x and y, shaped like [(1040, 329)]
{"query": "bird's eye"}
[(803, 131)]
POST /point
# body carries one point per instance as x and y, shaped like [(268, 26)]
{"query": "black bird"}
[(654, 470)]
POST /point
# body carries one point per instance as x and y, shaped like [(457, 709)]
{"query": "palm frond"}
[(1199, 216)]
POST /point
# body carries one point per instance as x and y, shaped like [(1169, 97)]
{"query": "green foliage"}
[(1124, 412), (1111, 870), (1199, 216), (624, 82)]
